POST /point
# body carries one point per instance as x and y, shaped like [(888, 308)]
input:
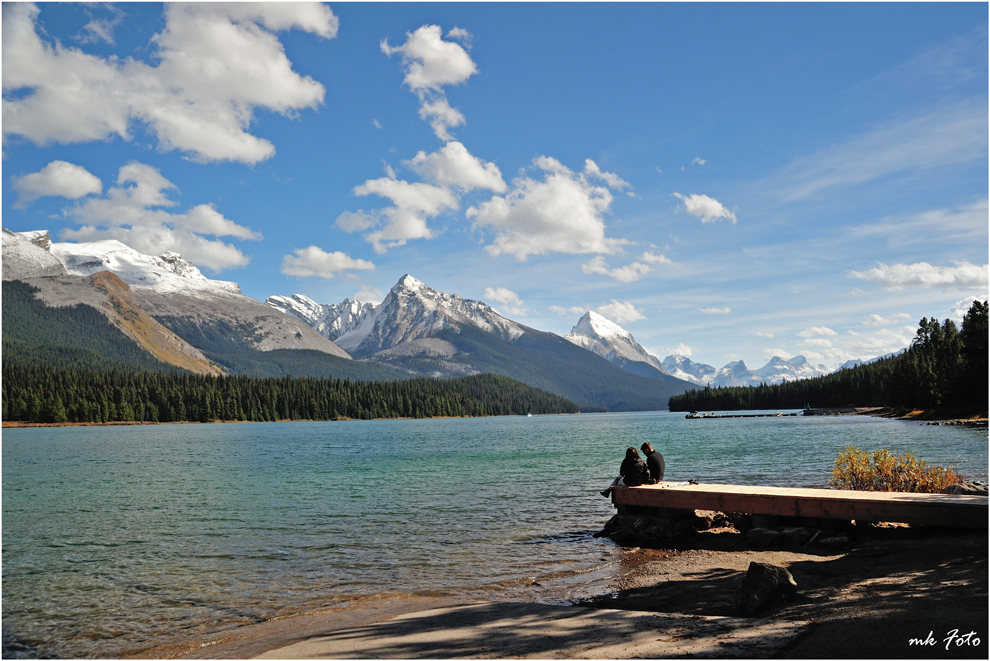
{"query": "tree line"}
[(944, 369), (40, 393)]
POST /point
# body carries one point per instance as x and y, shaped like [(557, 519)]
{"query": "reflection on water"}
[(121, 538)]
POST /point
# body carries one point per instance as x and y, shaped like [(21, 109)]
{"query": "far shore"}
[(977, 420)]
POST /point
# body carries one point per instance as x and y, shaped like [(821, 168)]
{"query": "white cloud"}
[(817, 331), (960, 308), (964, 275), (508, 298), (879, 343), (682, 350), (355, 221), (431, 64), (698, 161), (376, 124), (724, 310), (613, 180), (58, 178), (454, 167), (130, 212), (562, 213), (778, 353), (315, 262), (764, 334), (560, 310), (964, 223), (216, 64), (819, 342), (620, 312), (413, 204), (708, 209), (650, 258), (629, 273), (877, 320)]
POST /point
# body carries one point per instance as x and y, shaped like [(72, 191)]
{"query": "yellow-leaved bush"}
[(884, 471)]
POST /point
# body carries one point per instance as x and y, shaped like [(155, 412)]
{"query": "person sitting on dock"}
[(632, 472), (654, 460)]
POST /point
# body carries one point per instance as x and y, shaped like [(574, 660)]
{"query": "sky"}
[(725, 181)]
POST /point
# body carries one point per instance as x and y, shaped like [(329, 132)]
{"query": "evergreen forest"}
[(39, 393), (944, 369)]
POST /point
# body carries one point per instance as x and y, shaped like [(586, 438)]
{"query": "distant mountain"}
[(330, 320), (688, 370), (737, 374), (433, 333), (230, 331), (616, 345)]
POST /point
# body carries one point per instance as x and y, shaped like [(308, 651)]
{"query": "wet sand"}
[(892, 585)]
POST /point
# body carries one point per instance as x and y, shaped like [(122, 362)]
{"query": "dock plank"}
[(965, 511)]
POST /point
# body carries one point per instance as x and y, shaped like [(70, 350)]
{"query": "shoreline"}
[(894, 583), (933, 418)]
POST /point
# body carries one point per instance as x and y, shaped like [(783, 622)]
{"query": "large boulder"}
[(764, 585), (966, 488)]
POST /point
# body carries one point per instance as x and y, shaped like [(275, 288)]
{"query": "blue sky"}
[(727, 181)]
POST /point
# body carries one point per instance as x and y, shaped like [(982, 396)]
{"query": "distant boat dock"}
[(964, 511), (694, 415)]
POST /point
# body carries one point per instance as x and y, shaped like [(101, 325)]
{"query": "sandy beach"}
[(891, 586)]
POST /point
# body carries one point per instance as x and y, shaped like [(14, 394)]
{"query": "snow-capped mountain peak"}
[(610, 341), (165, 273), (410, 311)]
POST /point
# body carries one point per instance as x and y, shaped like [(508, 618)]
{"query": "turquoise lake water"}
[(116, 539)]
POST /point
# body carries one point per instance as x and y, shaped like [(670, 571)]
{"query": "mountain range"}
[(171, 310)]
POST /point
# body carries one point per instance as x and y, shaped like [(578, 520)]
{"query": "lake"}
[(117, 539)]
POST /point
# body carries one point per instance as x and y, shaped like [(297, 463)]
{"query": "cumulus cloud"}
[(964, 275), (59, 179), (620, 313), (877, 320), (509, 299), (455, 167), (879, 343), (132, 213), (776, 353), (369, 294), (216, 63), (817, 331), (355, 221), (317, 263), (563, 212), (682, 350), (430, 64), (708, 209), (412, 205), (724, 310)]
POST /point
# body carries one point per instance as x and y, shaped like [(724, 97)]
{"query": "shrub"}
[(883, 471)]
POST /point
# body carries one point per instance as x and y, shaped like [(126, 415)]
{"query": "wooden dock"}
[(963, 511)]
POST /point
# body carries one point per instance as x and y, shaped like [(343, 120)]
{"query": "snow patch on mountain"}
[(687, 370), (610, 341), (331, 320), (410, 311), (25, 255), (736, 373), (165, 273)]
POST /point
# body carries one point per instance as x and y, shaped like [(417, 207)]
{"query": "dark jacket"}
[(655, 462), (634, 472)]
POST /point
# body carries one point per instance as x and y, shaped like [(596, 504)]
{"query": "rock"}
[(763, 538), (832, 543), (764, 585), (966, 488), (742, 522), (796, 536)]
